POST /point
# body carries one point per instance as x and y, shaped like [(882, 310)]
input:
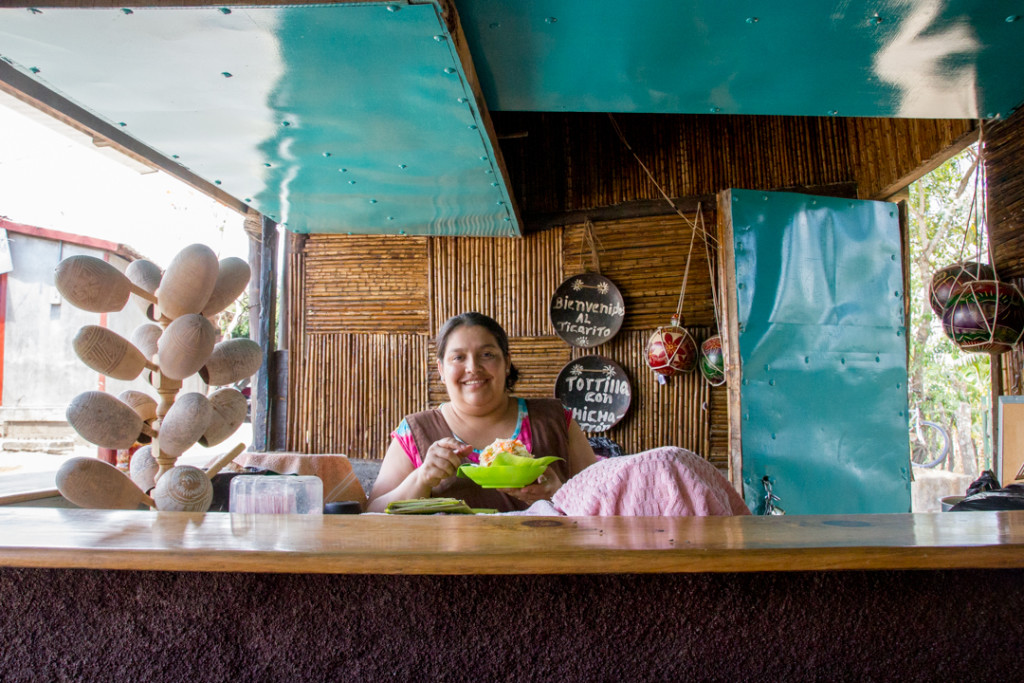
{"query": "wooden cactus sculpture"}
[(178, 344)]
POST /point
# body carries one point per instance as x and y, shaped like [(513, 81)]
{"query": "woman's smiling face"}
[(474, 369)]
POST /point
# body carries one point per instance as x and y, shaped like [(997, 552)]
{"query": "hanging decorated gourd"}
[(984, 316), (671, 350), (712, 362), (947, 279)]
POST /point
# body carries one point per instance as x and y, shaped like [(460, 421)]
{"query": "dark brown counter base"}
[(153, 626)]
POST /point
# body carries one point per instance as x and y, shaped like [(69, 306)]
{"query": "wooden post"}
[(264, 392)]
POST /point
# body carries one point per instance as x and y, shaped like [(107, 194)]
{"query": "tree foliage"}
[(943, 229)]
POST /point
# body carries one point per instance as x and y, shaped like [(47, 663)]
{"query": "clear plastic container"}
[(278, 494)]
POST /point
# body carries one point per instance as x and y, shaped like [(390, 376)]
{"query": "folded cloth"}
[(340, 480), (666, 482)]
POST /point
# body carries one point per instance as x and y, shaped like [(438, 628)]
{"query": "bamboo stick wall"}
[(367, 308), (576, 161)]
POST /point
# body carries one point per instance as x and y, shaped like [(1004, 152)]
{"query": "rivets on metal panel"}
[(746, 416), (449, 70), (896, 294), (35, 69), (764, 197), (807, 359), (33, 10), (843, 361), (393, 8), (753, 20), (500, 203), (833, 112), (483, 158), (225, 74), (746, 381), (550, 20), (892, 257), (715, 110), (471, 126), (247, 200), (897, 385), (773, 436), (899, 333), (739, 285), (122, 124), (507, 219), (175, 156), (440, 38), (373, 201), (327, 154), (225, 10), (401, 232), (494, 24), (876, 19), (286, 123), (878, 359), (267, 164), (391, 218), (125, 10), (342, 170), (216, 182), (402, 166), (767, 367), (771, 383), (488, 171), (1012, 18), (351, 182), (463, 100), (494, 184)]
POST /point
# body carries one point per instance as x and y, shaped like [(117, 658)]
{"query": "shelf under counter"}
[(500, 544)]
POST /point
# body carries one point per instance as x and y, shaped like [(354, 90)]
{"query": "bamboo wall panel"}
[(366, 284), (1004, 152), (889, 154), (511, 280), (646, 258), (571, 161), (355, 389)]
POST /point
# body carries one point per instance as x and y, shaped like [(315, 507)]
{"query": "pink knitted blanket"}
[(667, 481)]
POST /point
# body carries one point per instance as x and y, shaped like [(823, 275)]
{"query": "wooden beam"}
[(265, 390), (730, 337)]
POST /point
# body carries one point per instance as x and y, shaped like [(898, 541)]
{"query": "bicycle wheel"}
[(930, 445)]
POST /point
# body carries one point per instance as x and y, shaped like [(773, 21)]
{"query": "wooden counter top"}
[(378, 544)]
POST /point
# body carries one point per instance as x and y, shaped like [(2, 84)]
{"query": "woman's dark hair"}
[(471, 319)]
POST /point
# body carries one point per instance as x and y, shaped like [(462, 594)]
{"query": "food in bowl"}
[(503, 446)]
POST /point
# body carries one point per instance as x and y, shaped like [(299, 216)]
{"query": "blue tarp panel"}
[(822, 339)]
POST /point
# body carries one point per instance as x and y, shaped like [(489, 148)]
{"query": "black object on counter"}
[(345, 507)]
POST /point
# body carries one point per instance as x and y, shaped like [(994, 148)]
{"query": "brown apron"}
[(550, 437)]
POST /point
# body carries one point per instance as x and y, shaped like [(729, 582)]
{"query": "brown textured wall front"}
[(367, 308)]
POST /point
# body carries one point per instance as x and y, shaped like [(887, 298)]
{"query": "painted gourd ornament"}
[(984, 316), (950, 278), (671, 350), (712, 362)]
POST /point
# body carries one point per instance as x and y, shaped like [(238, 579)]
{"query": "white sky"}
[(53, 177)]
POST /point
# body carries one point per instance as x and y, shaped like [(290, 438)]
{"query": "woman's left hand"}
[(542, 489)]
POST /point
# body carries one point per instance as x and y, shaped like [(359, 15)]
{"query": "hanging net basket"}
[(947, 279), (984, 316), (671, 350), (712, 361)]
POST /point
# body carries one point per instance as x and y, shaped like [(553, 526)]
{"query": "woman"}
[(428, 447)]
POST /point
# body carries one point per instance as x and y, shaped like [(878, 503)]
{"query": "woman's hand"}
[(441, 461), (542, 489)]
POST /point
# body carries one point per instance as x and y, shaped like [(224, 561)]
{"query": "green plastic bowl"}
[(500, 476)]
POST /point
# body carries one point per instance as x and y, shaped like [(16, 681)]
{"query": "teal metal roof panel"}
[(898, 58), (334, 118)]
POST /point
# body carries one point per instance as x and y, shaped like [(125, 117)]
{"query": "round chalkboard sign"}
[(587, 310), (596, 390)]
